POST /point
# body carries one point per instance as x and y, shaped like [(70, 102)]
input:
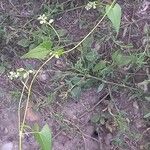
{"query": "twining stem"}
[(34, 77), (28, 98), (92, 29), (19, 112)]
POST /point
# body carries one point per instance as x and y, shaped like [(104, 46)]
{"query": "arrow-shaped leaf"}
[(44, 137), (114, 14), (40, 52)]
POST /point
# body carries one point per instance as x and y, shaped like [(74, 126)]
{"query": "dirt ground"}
[(75, 123)]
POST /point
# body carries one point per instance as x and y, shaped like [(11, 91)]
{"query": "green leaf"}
[(138, 59), (2, 69), (114, 14), (44, 137), (40, 52), (92, 56), (76, 80), (99, 66), (147, 115), (76, 91), (86, 45), (120, 59), (147, 98), (24, 43), (88, 42), (79, 65)]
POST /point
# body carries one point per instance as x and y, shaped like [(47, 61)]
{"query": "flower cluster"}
[(20, 73), (90, 5), (43, 19)]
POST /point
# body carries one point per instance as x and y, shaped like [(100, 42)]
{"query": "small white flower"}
[(25, 75), (10, 77), (30, 71), (90, 5), (57, 56), (20, 69), (40, 17), (94, 5), (11, 73), (43, 19), (21, 72), (51, 21), (16, 76)]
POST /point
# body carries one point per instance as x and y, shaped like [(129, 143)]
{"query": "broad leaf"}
[(147, 115), (88, 42), (147, 98), (76, 91), (86, 45), (44, 137), (40, 52), (120, 59), (99, 66), (76, 80), (114, 14), (2, 69), (92, 56)]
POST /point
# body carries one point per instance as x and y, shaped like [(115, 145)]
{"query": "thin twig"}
[(19, 110), (104, 81)]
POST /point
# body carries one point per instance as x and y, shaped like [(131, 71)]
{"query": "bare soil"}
[(73, 120)]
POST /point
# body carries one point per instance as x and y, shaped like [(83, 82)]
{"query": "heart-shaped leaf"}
[(40, 52), (114, 14), (44, 137)]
